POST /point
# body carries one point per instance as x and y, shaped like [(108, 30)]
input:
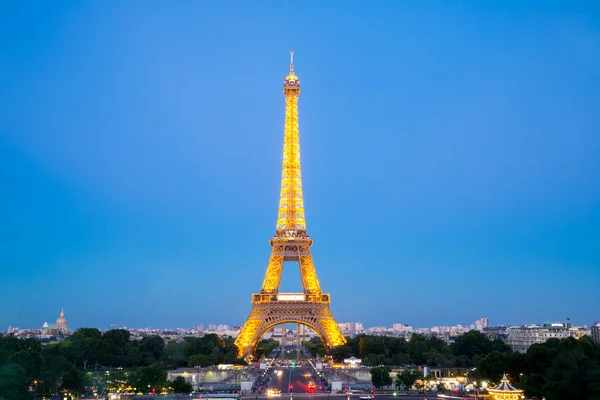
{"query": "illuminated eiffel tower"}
[(290, 243)]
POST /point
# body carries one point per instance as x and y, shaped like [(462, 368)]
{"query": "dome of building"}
[(61, 322)]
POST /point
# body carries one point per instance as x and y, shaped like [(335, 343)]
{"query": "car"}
[(365, 397)]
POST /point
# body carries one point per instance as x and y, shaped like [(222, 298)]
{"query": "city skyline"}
[(224, 325), (449, 160)]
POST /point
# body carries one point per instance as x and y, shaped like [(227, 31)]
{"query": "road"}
[(294, 380), (300, 377)]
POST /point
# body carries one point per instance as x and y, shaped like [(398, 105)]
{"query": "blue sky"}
[(450, 159)]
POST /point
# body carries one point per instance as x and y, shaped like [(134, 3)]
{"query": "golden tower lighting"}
[(290, 243)]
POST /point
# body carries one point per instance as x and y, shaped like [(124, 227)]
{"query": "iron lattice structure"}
[(290, 243)]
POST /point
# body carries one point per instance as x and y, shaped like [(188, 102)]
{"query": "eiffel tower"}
[(290, 243)]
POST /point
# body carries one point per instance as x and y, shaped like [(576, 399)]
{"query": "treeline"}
[(60, 368), (88, 347), (555, 370), (466, 351), (25, 364)]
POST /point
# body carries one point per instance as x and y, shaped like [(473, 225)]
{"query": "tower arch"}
[(314, 327)]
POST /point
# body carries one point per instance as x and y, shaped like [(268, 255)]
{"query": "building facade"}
[(520, 339), (595, 330)]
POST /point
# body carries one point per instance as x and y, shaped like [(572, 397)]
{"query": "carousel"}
[(506, 391)]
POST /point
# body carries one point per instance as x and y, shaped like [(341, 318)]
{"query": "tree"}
[(152, 344), (115, 342), (55, 369), (215, 356), (493, 366), (380, 376), (266, 346), (198, 360), (180, 385), (472, 344), (72, 381), (229, 358), (418, 346), (174, 354), (84, 347), (133, 357), (14, 383), (407, 378), (30, 359), (436, 359), (400, 359), (562, 369), (151, 376)]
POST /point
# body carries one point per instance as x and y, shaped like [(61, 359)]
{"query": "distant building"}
[(481, 324), (401, 328), (596, 332), (377, 329), (496, 332), (520, 339), (61, 323), (351, 328)]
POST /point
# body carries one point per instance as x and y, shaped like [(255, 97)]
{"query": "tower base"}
[(269, 311)]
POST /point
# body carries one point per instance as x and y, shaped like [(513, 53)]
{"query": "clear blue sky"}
[(451, 158)]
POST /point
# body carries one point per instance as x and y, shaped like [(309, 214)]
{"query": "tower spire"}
[(290, 219)]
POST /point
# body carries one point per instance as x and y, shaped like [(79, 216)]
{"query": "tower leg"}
[(302, 330), (297, 342), (283, 342)]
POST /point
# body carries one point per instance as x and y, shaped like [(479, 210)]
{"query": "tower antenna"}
[(291, 62)]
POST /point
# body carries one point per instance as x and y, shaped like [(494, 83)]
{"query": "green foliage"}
[(14, 383), (557, 369), (198, 360), (174, 354), (56, 369), (215, 349), (265, 347), (407, 378), (30, 359), (86, 346), (474, 344), (419, 350), (494, 365), (151, 376), (380, 376), (154, 345), (180, 385)]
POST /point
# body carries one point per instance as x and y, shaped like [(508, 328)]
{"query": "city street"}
[(327, 396), (300, 378)]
